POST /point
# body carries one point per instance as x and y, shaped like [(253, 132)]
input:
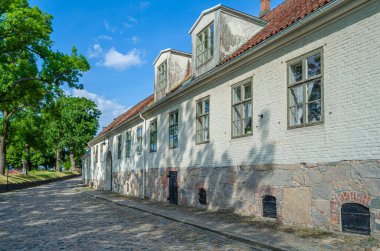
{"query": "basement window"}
[(202, 196), (305, 95), (269, 207), (355, 219), (205, 45)]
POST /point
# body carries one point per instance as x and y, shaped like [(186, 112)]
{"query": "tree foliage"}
[(31, 72)]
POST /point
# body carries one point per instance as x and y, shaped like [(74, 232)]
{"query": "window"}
[(139, 140), (96, 154), (202, 113), (205, 45), (162, 78), (269, 206), (305, 91), (128, 144), (242, 109), (101, 153), (355, 219), (119, 147), (153, 136), (173, 129), (202, 196)]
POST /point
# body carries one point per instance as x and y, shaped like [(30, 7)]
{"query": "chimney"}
[(264, 7)]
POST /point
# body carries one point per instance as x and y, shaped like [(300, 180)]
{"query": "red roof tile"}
[(280, 18), (128, 114)]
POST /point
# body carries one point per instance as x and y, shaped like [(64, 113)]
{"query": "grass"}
[(33, 176)]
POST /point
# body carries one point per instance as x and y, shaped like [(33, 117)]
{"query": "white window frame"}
[(303, 82), (162, 78), (239, 106), (128, 144), (205, 45), (119, 146), (139, 140), (173, 125), (202, 116)]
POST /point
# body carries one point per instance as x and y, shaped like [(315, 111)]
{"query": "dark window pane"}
[(314, 65), (314, 91), (206, 106), (314, 111), (296, 72), (247, 91)]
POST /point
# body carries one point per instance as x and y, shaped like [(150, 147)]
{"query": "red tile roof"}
[(280, 18), (127, 115)]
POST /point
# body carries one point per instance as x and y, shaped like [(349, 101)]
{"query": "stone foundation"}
[(306, 194)]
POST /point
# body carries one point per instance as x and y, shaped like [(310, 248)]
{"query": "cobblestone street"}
[(58, 217)]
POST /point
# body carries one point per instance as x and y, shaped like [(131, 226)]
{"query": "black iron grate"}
[(269, 207), (355, 219), (202, 196)]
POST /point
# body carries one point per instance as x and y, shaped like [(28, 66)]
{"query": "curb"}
[(256, 243), (4, 188)]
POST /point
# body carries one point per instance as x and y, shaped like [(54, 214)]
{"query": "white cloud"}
[(144, 5), (135, 39), (95, 51), (110, 108), (118, 61), (105, 37), (131, 22), (111, 28)]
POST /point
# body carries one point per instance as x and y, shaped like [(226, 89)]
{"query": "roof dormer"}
[(218, 32), (171, 68)]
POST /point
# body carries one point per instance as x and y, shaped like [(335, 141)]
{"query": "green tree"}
[(26, 141), (80, 118), (31, 73)]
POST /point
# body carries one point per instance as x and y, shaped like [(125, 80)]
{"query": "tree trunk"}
[(3, 145), (26, 167), (57, 159), (72, 160)]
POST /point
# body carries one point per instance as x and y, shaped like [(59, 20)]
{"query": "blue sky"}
[(121, 39)]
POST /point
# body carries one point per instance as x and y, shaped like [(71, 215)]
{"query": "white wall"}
[(351, 98)]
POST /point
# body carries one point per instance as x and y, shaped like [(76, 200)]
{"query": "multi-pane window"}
[(119, 147), (153, 136), (162, 78), (242, 109), (101, 152), (205, 45), (139, 140), (96, 154), (305, 91), (173, 129), (128, 144), (203, 110)]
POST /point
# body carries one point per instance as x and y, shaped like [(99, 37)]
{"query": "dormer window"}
[(162, 77), (205, 45)]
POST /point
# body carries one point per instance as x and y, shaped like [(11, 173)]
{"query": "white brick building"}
[(304, 143)]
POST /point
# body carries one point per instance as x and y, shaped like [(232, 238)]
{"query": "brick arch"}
[(341, 198)]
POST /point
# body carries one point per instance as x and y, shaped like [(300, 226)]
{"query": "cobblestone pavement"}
[(58, 217)]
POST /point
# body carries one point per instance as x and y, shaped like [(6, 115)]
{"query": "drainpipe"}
[(143, 154)]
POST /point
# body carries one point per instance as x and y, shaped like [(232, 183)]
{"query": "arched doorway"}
[(108, 176)]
